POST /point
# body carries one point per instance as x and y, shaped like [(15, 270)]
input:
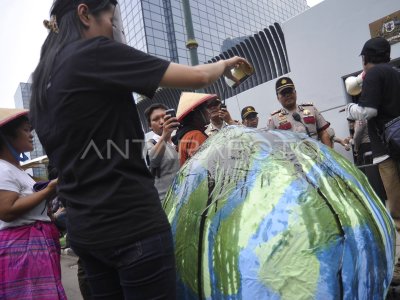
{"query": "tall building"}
[(266, 50), (158, 26), (22, 99)]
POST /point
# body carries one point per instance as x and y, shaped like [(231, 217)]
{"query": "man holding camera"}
[(219, 117), (304, 118)]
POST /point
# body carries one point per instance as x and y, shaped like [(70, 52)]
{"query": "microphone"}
[(297, 118), (354, 83)]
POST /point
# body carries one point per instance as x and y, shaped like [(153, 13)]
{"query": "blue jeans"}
[(141, 270)]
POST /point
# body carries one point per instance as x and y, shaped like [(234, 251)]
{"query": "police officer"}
[(249, 117), (303, 118)]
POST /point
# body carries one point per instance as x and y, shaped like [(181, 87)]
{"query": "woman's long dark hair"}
[(70, 29)]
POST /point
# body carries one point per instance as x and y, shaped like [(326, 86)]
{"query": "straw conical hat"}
[(9, 114), (190, 101)]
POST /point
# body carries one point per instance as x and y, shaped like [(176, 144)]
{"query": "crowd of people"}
[(83, 111)]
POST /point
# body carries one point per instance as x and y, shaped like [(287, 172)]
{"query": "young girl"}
[(29, 246), (87, 121)]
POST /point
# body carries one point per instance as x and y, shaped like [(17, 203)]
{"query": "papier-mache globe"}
[(259, 214)]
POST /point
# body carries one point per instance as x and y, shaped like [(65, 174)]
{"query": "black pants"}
[(142, 270), (361, 158), (83, 282)]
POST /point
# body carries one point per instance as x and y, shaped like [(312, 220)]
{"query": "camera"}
[(170, 112)]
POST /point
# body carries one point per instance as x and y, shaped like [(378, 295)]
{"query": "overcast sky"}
[(22, 34), (313, 2)]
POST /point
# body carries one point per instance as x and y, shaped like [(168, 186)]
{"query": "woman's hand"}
[(236, 62), (51, 189), (52, 185)]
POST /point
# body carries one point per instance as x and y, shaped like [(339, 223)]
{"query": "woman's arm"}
[(12, 206), (183, 76)]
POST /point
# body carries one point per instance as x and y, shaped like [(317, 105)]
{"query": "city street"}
[(69, 269)]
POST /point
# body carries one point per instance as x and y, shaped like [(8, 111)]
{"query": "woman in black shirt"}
[(85, 116)]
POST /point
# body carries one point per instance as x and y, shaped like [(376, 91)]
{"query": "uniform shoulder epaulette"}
[(275, 112), (307, 104)]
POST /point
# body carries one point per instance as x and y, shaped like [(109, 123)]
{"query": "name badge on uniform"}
[(285, 126), (309, 120)]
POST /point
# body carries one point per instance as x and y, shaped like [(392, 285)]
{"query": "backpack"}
[(391, 137)]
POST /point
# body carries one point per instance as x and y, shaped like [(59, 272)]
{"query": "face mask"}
[(118, 32)]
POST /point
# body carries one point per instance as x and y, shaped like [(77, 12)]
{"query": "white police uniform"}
[(311, 119)]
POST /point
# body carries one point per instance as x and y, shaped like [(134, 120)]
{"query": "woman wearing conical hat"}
[(194, 117), (29, 246)]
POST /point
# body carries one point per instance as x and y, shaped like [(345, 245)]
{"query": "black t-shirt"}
[(377, 146), (92, 133), (381, 90)]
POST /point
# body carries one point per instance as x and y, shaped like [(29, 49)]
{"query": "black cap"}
[(377, 46), (246, 111), (283, 83)]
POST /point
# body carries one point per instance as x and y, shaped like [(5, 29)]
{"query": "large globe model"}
[(260, 214)]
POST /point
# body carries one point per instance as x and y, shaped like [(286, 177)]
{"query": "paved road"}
[(69, 269)]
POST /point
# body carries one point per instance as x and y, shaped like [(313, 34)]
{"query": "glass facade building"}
[(22, 99), (158, 27), (266, 50)]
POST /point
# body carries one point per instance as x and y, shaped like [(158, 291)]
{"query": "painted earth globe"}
[(263, 214)]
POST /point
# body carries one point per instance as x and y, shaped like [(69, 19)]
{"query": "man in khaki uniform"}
[(304, 118), (249, 117)]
